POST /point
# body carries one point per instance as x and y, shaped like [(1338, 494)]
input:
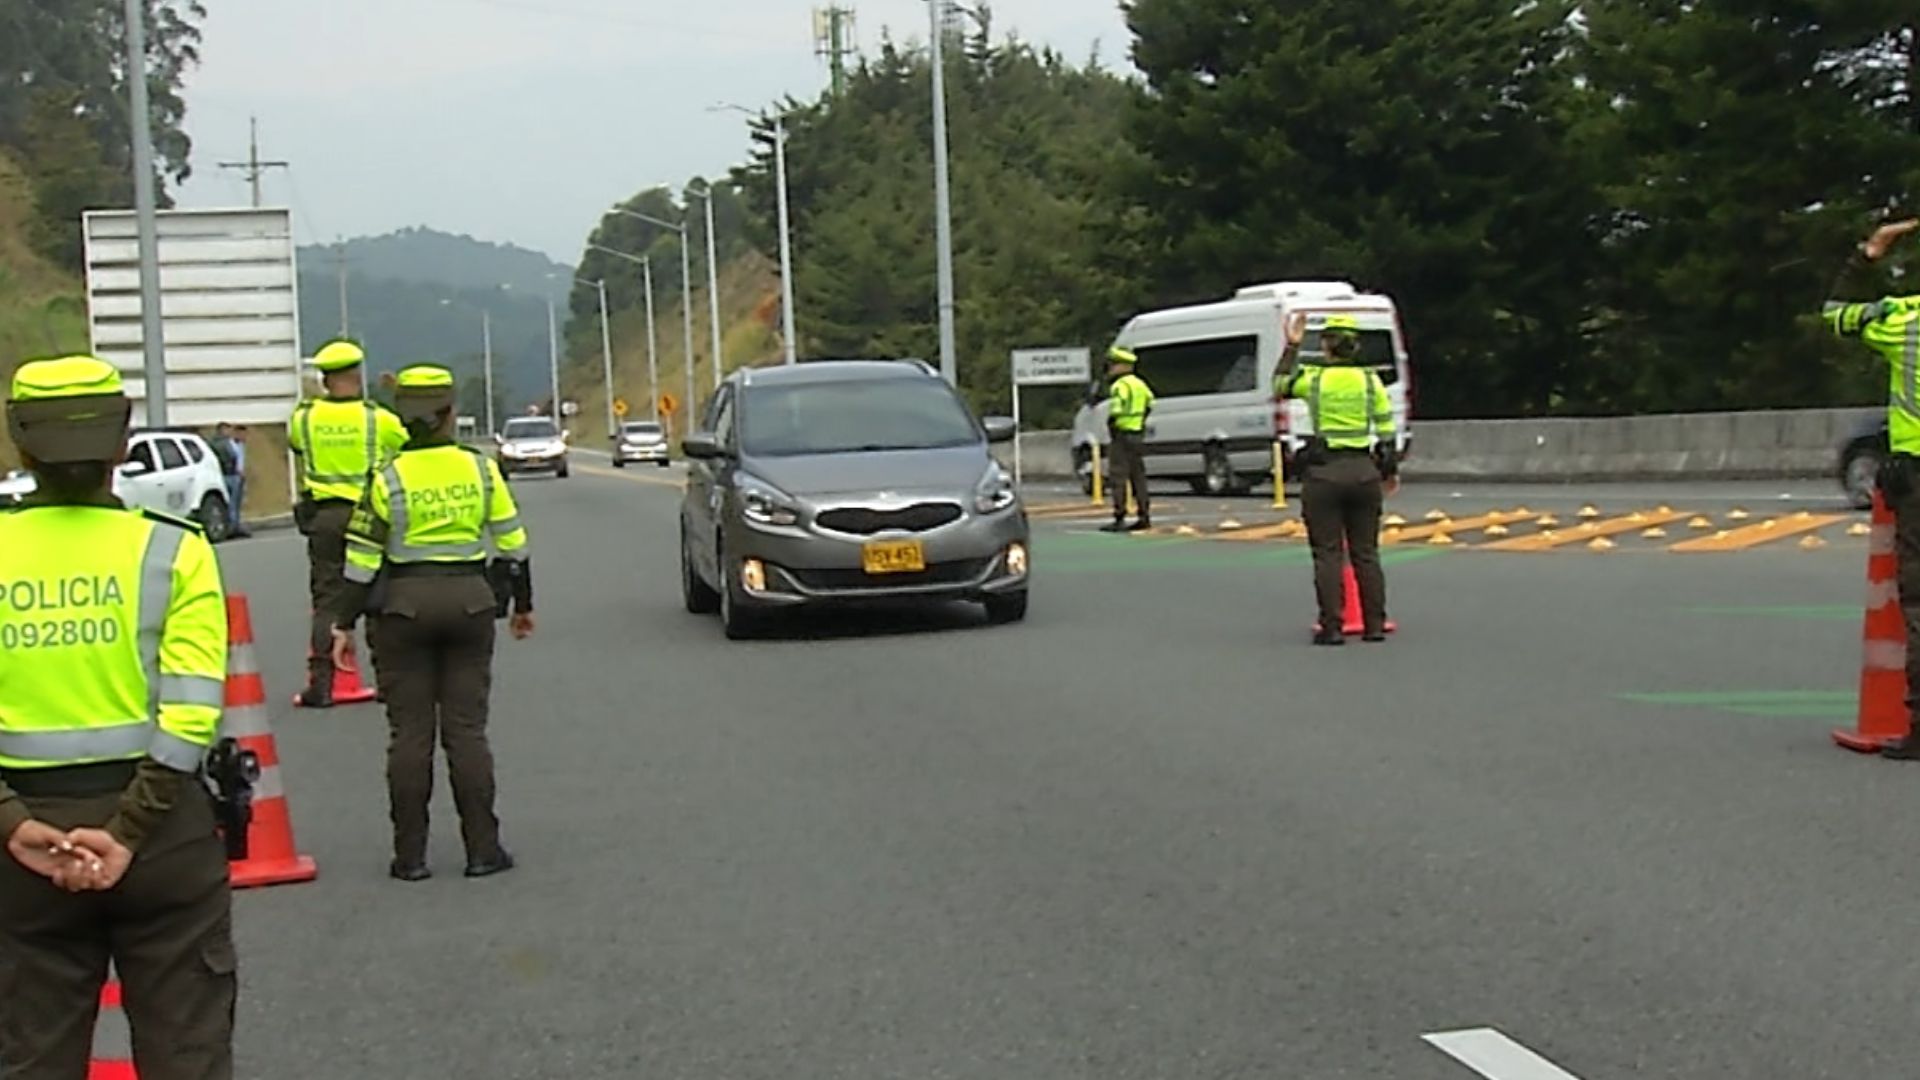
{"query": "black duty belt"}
[(100, 778), (437, 569)]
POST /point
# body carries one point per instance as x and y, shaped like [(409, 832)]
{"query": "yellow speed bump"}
[(1186, 530), (1393, 520), (1811, 543), (1546, 521), (1489, 522), (1589, 512), (1601, 543), (1738, 514), (1592, 530), (1440, 539), (1764, 532), (1280, 530), (1229, 525), (1436, 515), (1859, 528), (1498, 530), (1700, 524), (1655, 533)]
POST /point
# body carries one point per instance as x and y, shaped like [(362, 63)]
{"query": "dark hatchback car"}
[(835, 481)]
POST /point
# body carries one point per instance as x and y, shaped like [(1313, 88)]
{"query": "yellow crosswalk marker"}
[(1490, 521), (1764, 532)]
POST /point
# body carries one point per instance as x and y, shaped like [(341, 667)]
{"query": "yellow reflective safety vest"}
[(342, 444), (439, 504), (1131, 399), (1890, 327), (1347, 403), (113, 639)]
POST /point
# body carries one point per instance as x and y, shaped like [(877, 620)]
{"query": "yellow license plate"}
[(894, 557)]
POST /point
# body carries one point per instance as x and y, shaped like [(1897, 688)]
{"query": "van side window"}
[(1214, 366), (1375, 345)]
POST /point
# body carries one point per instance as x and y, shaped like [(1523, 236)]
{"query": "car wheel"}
[(1859, 476), (212, 516), (1003, 608), (1219, 477), (665, 464), (561, 472), (700, 597), (619, 463)]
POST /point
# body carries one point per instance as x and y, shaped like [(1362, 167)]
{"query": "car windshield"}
[(865, 415), (530, 429), (1376, 346), (643, 429)]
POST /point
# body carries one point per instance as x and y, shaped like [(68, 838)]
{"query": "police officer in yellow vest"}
[(113, 658), (1130, 400), (417, 559), (1891, 327), (342, 439), (1348, 459)]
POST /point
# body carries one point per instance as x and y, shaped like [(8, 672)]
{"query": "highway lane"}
[(1149, 833)]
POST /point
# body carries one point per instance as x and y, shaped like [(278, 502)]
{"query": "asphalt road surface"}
[(1585, 803)]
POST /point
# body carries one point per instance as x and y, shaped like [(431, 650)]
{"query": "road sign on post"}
[(620, 406), (1045, 367), (669, 404), (229, 311)]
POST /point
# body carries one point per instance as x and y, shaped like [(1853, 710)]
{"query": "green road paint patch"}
[(1818, 612), (1823, 704)]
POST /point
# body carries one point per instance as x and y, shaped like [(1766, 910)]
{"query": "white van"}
[(1212, 368)]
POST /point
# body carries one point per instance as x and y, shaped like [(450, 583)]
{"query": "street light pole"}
[(713, 289), (553, 361), (942, 196), (152, 344), (606, 351), (653, 341), (786, 240), (786, 227), (486, 360), (686, 287)]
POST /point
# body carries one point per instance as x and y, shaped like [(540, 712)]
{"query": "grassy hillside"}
[(750, 336), (42, 309)]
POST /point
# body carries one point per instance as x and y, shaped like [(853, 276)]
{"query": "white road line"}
[(1495, 1056)]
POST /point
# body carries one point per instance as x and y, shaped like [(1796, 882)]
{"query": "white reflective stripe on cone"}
[(244, 722), (1882, 593), (270, 786), (1880, 541), (1885, 656)]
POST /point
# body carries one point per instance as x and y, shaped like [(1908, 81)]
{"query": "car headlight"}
[(764, 504), (995, 492)]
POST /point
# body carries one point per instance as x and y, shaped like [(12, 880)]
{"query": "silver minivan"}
[(1212, 367)]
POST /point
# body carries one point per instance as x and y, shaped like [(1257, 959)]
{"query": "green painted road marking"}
[(1106, 554), (1823, 612), (1826, 704)]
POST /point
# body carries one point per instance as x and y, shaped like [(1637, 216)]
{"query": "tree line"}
[(1582, 206)]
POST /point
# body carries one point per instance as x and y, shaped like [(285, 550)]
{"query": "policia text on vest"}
[(113, 650), (1891, 327), (342, 440), (417, 563), (1350, 457)]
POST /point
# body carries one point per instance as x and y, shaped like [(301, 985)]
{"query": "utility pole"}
[(486, 347), (653, 344), (942, 21), (152, 344), (786, 239), (340, 261), (833, 39), (253, 166)]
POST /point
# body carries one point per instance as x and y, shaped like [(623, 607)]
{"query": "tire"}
[(560, 473), (699, 597), (1858, 476), (1004, 608), (619, 463), (212, 516), (1219, 477), (665, 464)]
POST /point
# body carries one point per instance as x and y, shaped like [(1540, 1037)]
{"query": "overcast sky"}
[(520, 120)]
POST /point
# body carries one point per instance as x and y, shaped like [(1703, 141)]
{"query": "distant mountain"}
[(417, 296), (429, 257)]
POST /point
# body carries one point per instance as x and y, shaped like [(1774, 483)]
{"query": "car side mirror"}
[(566, 435), (1000, 429), (133, 468), (701, 446)]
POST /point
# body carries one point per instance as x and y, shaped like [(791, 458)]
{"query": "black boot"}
[(406, 871), (1329, 636), (501, 862), (1907, 749), (319, 691), (1142, 525), (1114, 526)]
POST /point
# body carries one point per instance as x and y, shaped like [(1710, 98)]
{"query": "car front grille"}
[(866, 521), (948, 573)]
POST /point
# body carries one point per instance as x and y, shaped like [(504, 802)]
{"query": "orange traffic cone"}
[(109, 1062), (271, 857), (1883, 668), (347, 687), (1351, 619)]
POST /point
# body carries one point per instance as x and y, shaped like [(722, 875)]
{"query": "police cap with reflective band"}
[(68, 410), (1341, 324), (339, 356), (423, 390), (1122, 356)]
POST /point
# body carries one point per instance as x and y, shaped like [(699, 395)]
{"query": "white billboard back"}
[(229, 311)]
